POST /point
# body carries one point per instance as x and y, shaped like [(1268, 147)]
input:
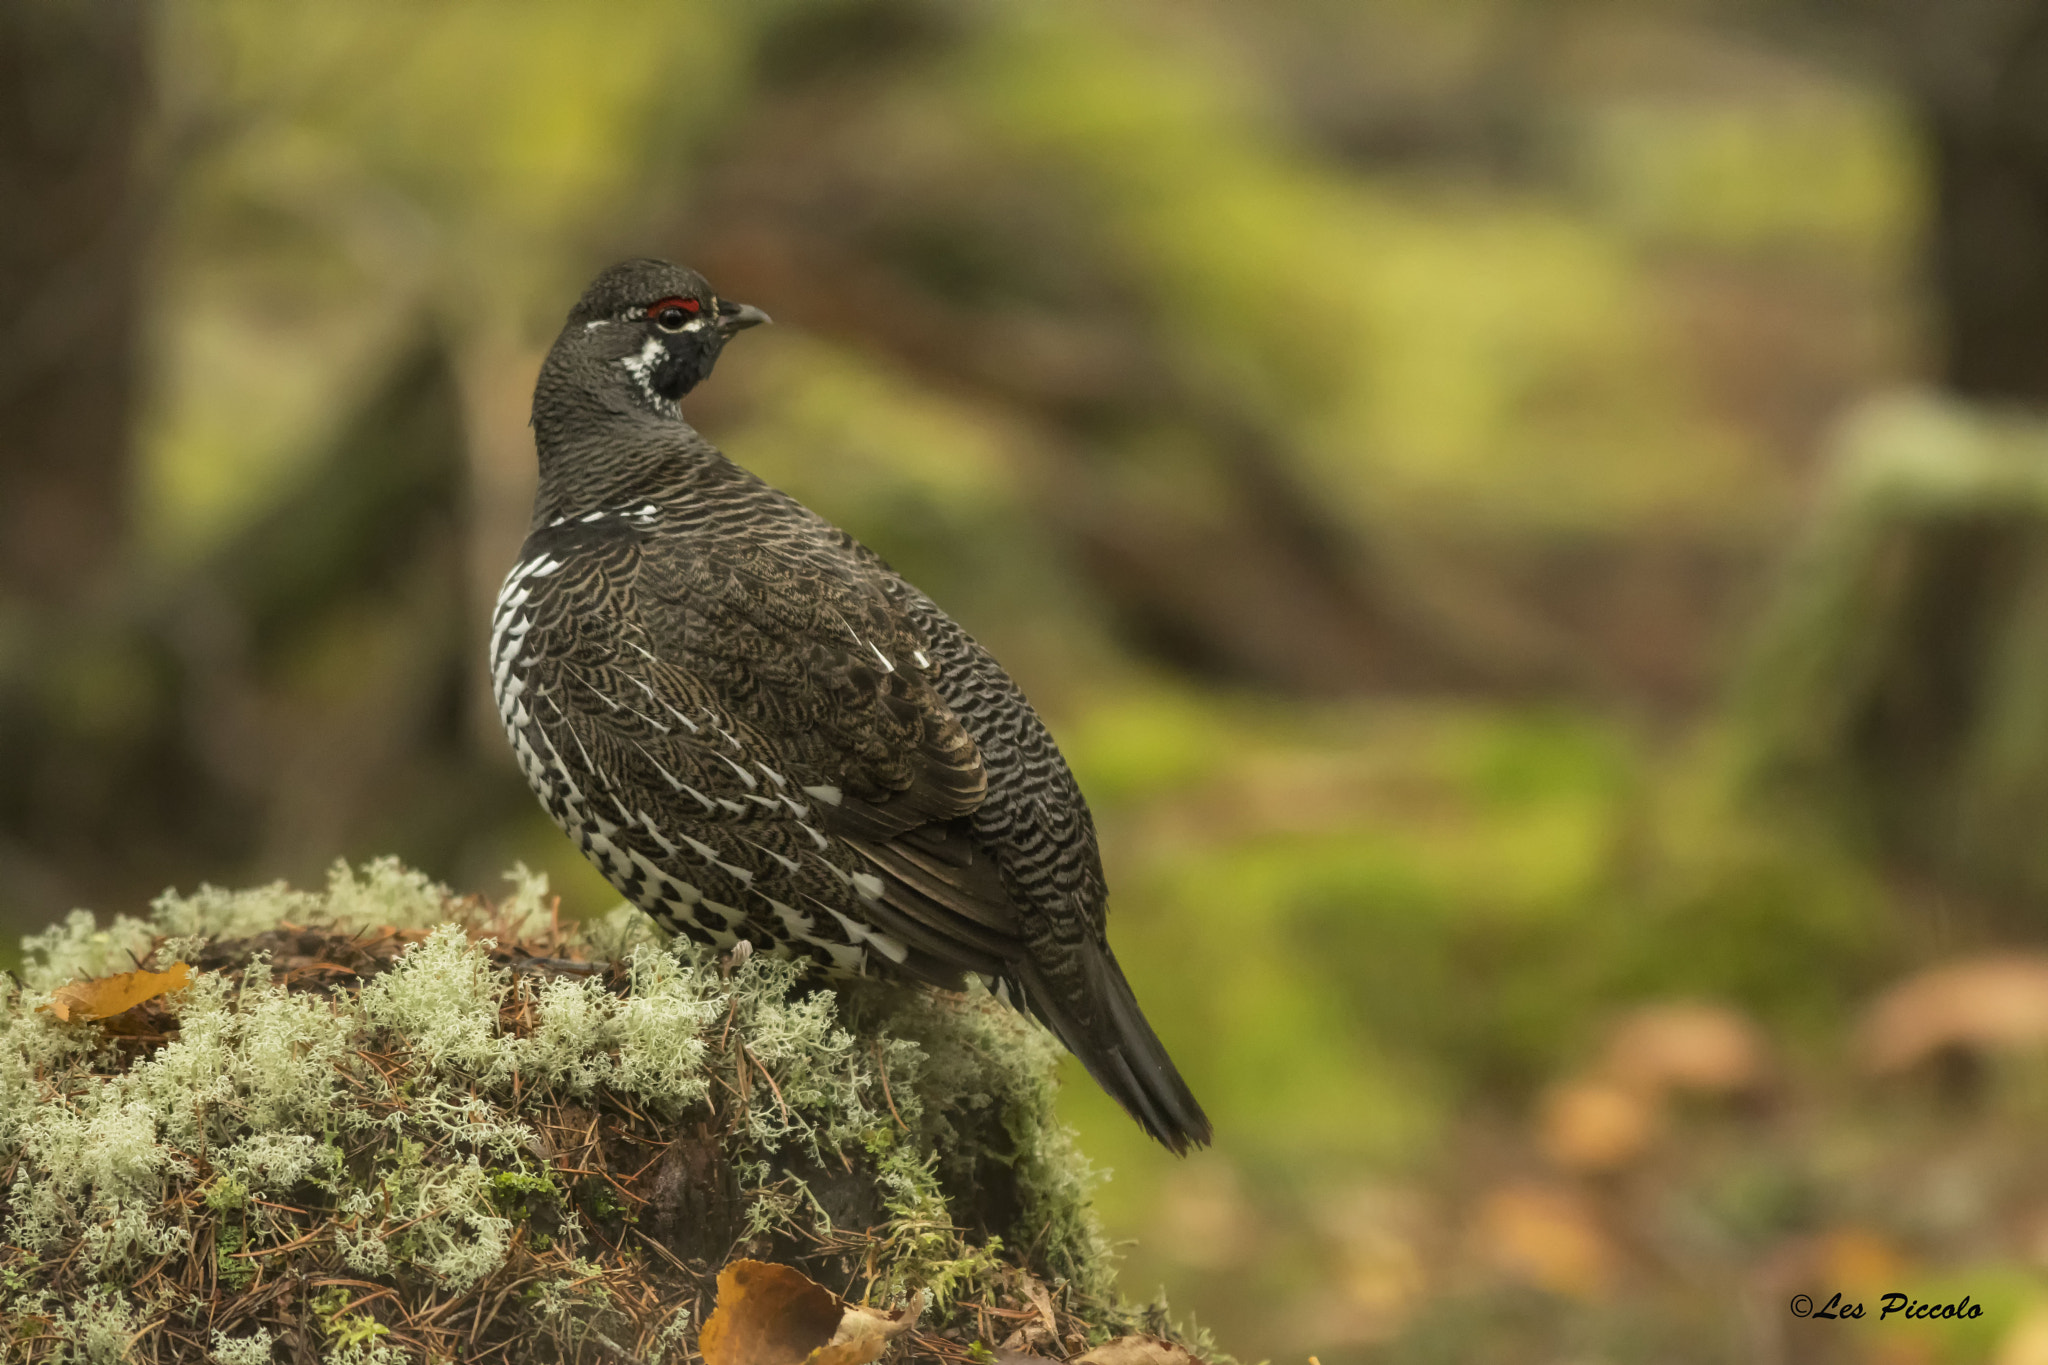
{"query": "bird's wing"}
[(777, 697)]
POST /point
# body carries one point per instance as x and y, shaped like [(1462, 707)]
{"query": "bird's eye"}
[(673, 313)]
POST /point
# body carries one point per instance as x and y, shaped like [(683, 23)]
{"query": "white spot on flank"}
[(852, 928), (852, 961), (918, 655), (788, 864), (829, 795), (598, 515), (868, 885), (647, 822), (794, 920), (745, 776), (777, 777), (887, 667)]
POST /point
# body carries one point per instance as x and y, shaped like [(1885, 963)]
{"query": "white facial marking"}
[(641, 366), (641, 363)]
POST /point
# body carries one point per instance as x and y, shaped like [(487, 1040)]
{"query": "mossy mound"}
[(387, 1124)]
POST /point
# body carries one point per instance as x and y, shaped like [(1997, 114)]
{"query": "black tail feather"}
[(1122, 1052)]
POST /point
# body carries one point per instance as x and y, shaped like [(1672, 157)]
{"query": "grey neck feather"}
[(601, 443)]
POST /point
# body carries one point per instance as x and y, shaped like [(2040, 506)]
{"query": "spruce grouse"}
[(759, 733)]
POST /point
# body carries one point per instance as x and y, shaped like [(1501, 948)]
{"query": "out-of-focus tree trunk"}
[(73, 95), (1902, 678), (1978, 72)]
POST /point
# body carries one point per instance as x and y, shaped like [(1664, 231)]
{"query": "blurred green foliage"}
[(1521, 297)]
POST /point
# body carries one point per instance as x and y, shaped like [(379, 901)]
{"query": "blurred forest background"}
[(1529, 518)]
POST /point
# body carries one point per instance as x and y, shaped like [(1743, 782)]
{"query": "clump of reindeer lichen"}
[(386, 1124)]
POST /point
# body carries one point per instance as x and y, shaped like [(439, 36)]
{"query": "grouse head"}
[(650, 330)]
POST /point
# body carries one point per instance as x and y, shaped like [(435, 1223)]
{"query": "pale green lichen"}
[(96, 1330), (265, 1091), (253, 1349), (442, 1000)]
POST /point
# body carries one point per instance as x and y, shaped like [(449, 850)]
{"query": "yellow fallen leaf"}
[(107, 996), (770, 1314)]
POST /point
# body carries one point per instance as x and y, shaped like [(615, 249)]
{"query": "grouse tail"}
[(1122, 1053)]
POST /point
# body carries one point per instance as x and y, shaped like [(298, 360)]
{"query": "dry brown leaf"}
[(1137, 1350), (1034, 1290), (1596, 1125), (1547, 1237), (767, 1314), (1994, 1002), (864, 1333), (770, 1314), (1687, 1046), (107, 996)]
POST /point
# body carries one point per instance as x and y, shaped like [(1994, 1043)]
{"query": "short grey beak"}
[(737, 317)]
